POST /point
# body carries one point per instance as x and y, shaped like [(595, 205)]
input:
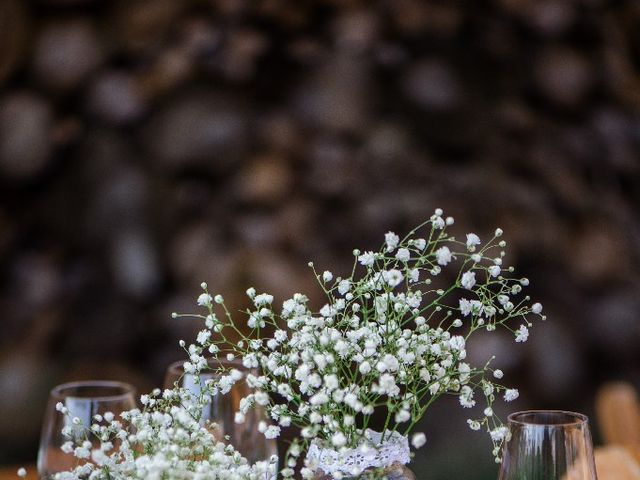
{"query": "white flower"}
[(443, 256), (536, 308), (203, 336), (414, 275), (365, 367), (272, 432), (392, 240), (327, 276), (498, 434), (498, 374), (511, 394), (468, 280), (387, 384), (457, 343), (239, 418), (285, 421), (367, 259), (466, 397), (418, 440), (420, 243), (472, 241), (434, 388), (204, 300), (22, 472), (473, 424), (339, 440), (263, 299), (403, 255), (494, 270), (470, 307), (402, 416), (522, 334), (438, 222), (393, 277), (331, 382), (344, 286)]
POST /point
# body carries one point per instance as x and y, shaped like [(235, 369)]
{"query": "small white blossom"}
[(393, 277), (418, 440), (522, 334), (367, 259), (494, 270), (498, 434), (402, 416), (391, 239), (472, 241), (204, 300), (420, 243), (468, 280), (474, 424), (272, 432), (511, 394), (339, 440), (443, 256), (344, 286), (403, 255)]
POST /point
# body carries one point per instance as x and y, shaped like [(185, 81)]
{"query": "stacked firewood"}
[(148, 145)]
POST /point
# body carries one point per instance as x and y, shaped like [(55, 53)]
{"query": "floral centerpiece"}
[(166, 439), (389, 341)]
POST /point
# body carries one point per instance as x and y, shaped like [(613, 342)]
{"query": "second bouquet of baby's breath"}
[(391, 339)]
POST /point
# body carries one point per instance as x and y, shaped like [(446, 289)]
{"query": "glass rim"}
[(124, 390), (177, 367), (579, 419)]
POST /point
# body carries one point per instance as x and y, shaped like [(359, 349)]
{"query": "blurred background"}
[(148, 145)]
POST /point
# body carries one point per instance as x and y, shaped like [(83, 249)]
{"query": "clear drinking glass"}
[(84, 400), (548, 445), (221, 410)]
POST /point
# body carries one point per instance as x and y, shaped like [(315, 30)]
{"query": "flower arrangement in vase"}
[(390, 340)]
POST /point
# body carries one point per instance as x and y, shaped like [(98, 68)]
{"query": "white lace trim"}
[(395, 449)]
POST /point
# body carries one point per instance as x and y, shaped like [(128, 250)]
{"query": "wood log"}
[(14, 35)]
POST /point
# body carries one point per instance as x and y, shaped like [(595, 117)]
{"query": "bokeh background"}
[(148, 145)]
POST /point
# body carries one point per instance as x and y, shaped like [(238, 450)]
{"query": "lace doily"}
[(395, 449)]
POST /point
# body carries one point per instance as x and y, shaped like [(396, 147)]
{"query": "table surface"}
[(612, 463)]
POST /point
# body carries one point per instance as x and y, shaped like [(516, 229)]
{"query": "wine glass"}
[(548, 445), (221, 409), (83, 400)]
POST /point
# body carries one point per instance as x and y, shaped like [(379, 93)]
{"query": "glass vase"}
[(220, 411), (548, 445), (83, 400), (379, 456), (392, 472)]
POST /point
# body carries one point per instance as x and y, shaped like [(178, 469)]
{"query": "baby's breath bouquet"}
[(390, 340), (168, 439)]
